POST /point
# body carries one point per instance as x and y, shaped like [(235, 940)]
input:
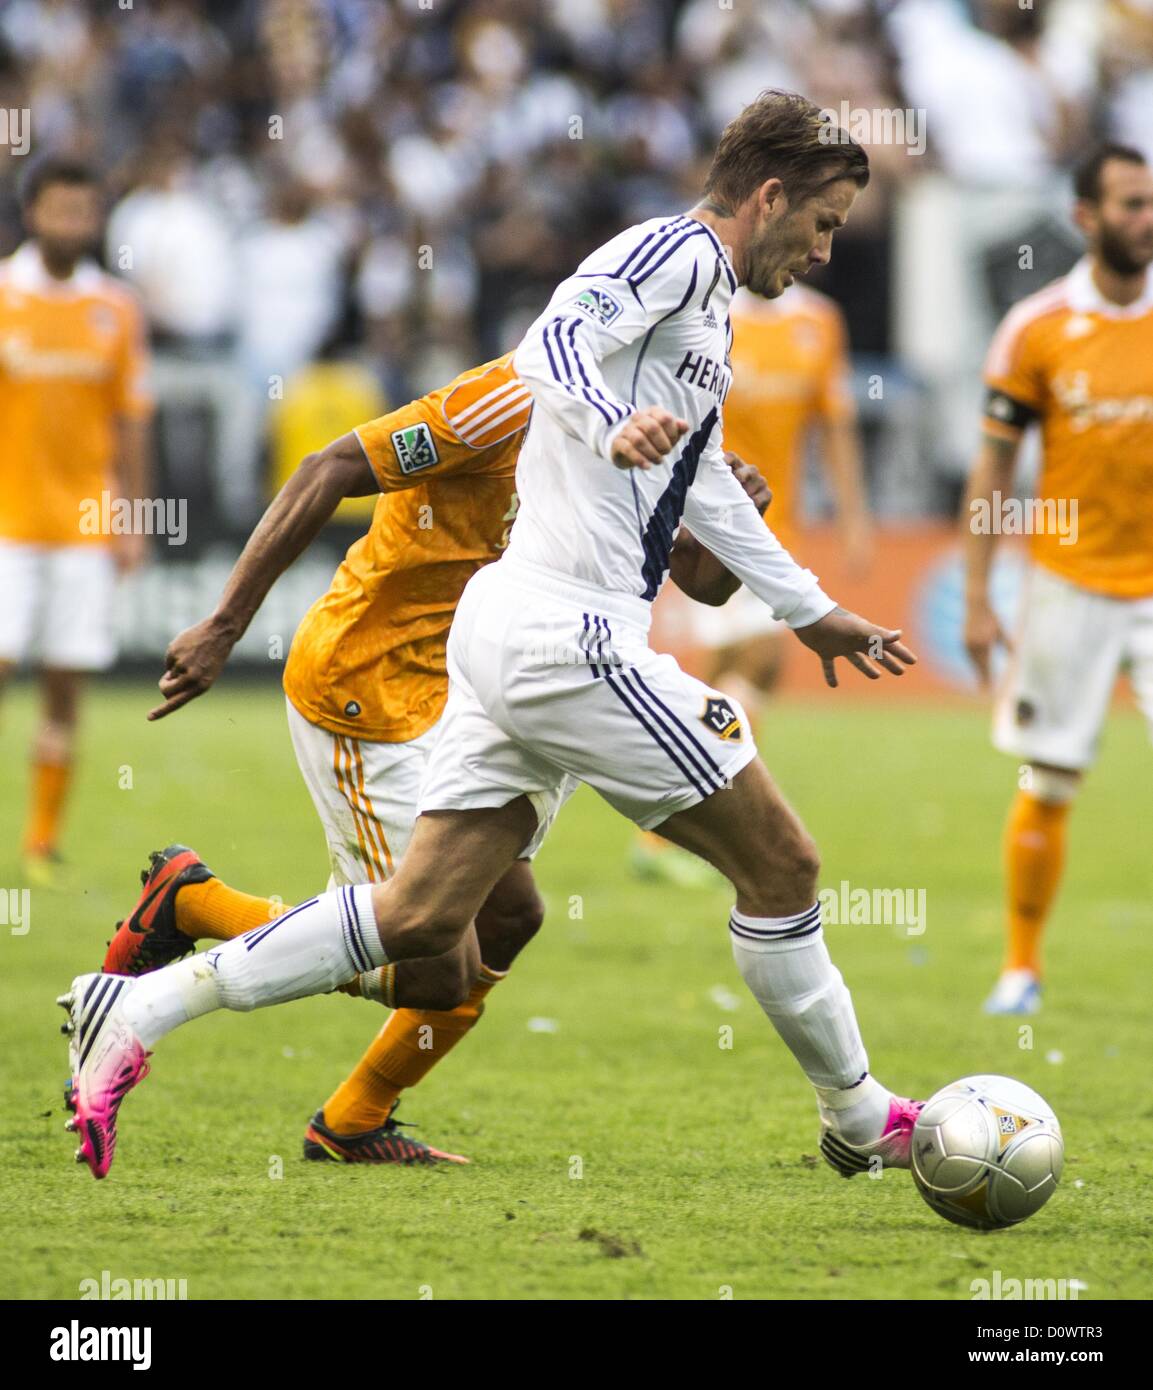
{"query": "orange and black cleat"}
[(149, 937), (385, 1144)]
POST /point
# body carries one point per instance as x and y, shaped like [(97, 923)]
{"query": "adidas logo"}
[(710, 318)]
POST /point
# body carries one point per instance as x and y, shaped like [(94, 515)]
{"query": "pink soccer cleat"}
[(107, 1059), (892, 1148)]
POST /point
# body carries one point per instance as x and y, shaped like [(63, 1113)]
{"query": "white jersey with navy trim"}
[(643, 322)]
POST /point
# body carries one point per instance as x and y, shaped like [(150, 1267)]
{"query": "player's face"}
[(65, 220), (1120, 226), (789, 241)]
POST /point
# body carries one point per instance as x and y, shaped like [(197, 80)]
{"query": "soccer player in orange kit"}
[(75, 409), (1076, 360)]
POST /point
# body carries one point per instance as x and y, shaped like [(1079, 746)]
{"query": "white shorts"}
[(365, 794), (739, 620), (553, 682), (1071, 644), (56, 605)]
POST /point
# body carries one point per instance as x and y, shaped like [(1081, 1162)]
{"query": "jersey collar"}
[(1086, 298), (26, 271)]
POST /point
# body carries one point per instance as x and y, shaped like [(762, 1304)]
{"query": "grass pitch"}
[(620, 1150)]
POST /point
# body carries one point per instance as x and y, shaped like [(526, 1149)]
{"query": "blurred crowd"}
[(404, 180)]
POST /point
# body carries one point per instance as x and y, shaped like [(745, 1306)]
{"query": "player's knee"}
[(804, 863), (1054, 785), (505, 928)]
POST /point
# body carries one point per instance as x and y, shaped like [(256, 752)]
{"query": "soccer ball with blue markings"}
[(987, 1152)]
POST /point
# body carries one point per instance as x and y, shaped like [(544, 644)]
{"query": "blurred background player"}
[(1077, 360), (75, 409), (791, 388)]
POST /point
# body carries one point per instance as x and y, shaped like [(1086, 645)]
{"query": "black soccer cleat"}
[(385, 1144)]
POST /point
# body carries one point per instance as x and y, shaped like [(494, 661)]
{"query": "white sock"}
[(786, 964), (310, 950), (858, 1113)]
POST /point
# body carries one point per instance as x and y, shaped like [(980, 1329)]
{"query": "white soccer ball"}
[(987, 1152)]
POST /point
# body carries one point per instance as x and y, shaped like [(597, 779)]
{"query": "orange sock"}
[(49, 785), (1034, 859), (406, 1049), (214, 910)]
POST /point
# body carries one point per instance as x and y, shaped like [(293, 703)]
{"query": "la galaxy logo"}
[(415, 448), (599, 305), (721, 719)]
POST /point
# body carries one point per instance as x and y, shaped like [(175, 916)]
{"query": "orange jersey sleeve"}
[(449, 431), (1014, 368)]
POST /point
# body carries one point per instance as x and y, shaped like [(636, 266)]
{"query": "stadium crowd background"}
[(393, 186)]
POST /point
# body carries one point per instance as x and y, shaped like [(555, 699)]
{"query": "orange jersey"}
[(1083, 368), (790, 368), (72, 363), (369, 656)]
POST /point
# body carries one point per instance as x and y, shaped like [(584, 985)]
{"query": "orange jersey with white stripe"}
[(72, 363), (1082, 367), (368, 659), (790, 368)]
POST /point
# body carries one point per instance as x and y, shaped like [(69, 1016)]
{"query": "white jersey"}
[(643, 322)]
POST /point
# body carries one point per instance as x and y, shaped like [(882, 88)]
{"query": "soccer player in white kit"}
[(551, 675)]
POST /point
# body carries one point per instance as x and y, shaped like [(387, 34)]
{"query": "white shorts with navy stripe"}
[(553, 682)]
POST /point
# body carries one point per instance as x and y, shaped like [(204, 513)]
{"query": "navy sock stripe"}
[(804, 920), (351, 940), (257, 934), (354, 920), (782, 936)]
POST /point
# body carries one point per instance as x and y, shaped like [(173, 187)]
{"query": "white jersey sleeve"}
[(724, 518), (643, 322), (594, 314)]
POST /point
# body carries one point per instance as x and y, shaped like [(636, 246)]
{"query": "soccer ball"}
[(987, 1152)]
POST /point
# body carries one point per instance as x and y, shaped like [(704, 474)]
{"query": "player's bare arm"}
[(861, 643), (843, 467), (133, 480), (693, 568), (646, 437), (294, 518), (992, 473)]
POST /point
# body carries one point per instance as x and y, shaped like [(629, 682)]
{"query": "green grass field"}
[(697, 1168)]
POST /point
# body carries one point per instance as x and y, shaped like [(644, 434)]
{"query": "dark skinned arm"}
[(294, 518)]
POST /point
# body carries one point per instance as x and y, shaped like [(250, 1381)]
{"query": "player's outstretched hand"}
[(859, 641), (751, 480), (646, 437), (192, 663), (982, 633)]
